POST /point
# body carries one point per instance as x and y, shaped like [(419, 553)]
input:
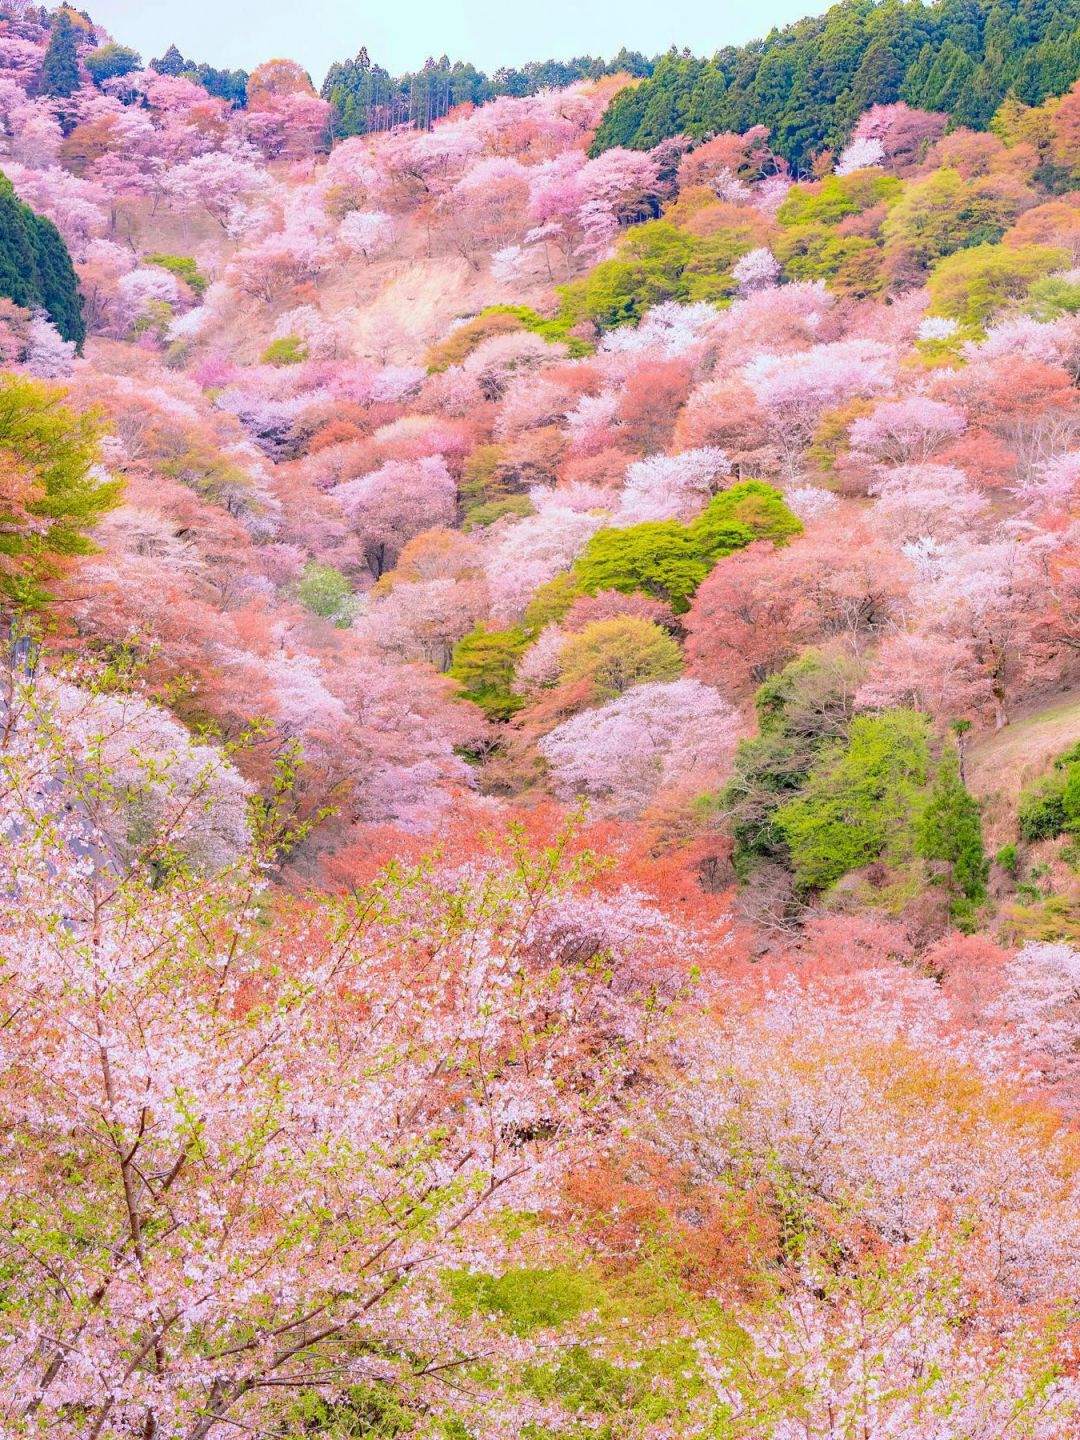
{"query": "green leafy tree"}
[(655, 262), (660, 557), (943, 213), (970, 285), (861, 801), (288, 350), (326, 592), (837, 197), (615, 654), (483, 665), (669, 560), (801, 709), (809, 82), (1052, 806), (109, 60), (750, 510), (51, 492)]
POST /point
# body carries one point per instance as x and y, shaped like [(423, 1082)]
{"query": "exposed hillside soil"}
[(1000, 766)]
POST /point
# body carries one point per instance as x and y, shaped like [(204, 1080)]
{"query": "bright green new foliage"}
[(50, 491), (615, 654), (669, 560), (660, 557), (656, 262), (325, 591), (838, 196), (184, 267), (861, 801), (483, 665), (970, 285)]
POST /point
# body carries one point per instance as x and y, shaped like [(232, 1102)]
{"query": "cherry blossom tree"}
[(656, 735), (390, 505), (226, 1254), (673, 487), (227, 185), (915, 501), (863, 152), (755, 270), (908, 431), (793, 390), (367, 232)]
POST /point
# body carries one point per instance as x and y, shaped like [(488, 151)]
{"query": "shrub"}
[(184, 267), (289, 350)]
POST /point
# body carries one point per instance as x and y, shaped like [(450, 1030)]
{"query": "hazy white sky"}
[(400, 36)]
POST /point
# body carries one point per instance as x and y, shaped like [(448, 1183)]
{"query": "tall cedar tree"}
[(60, 68), (950, 829), (35, 267)]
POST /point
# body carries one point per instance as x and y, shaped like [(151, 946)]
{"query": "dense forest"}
[(810, 81), (539, 751), (366, 97)]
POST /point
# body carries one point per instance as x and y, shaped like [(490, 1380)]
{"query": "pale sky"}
[(490, 33)]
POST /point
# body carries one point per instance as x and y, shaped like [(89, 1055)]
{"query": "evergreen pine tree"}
[(35, 266), (60, 68), (950, 829)]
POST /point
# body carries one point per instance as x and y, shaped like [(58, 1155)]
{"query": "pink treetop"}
[(755, 270), (1040, 1006), (939, 501), (20, 59), (794, 389), (392, 504), (863, 153), (139, 289), (908, 431), (425, 620), (48, 354), (367, 232), (655, 735), (905, 134), (922, 670), (221, 182), (666, 332), (276, 263), (1051, 488), (35, 133), (526, 553), (673, 487), (538, 668), (1054, 342)]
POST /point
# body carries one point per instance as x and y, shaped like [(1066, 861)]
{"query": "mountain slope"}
[(810, 81)]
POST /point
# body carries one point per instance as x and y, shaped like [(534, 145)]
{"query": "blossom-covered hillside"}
[(540, 768)]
